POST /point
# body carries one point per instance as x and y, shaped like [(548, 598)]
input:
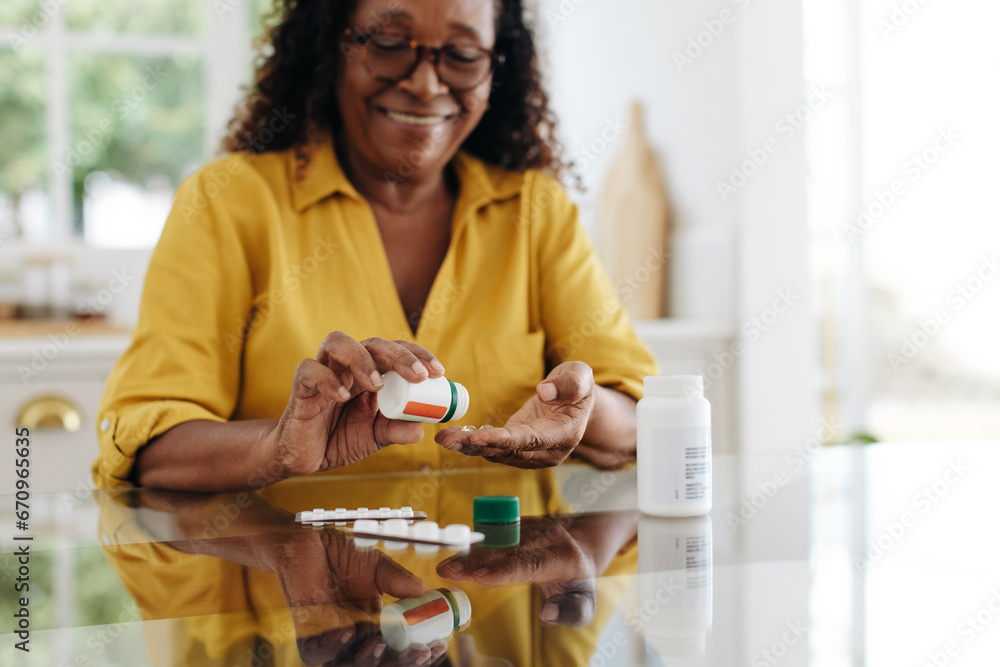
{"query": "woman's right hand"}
[(332, 417)]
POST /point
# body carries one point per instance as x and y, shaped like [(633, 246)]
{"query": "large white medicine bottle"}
[(674, 456)]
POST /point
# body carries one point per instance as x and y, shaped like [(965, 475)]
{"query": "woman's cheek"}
[(476, 102)]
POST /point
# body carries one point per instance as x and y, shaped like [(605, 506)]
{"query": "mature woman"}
[(391, 178)]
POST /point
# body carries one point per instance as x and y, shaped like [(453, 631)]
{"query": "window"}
[(107, 105), (903, 216)]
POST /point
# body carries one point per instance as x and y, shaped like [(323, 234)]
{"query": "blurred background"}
[(829, 169)]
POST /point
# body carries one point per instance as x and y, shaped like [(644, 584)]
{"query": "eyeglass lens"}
[(460, 68)]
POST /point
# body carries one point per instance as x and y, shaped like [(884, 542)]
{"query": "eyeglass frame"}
[(496, 59)]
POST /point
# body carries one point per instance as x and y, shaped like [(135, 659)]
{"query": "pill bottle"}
[(432, 616), (674, 591), (435, 400), (674, 448)]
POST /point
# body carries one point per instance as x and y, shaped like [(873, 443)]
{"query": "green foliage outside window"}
[(135, 118), (23, 161), (186, 17), (18, 12)]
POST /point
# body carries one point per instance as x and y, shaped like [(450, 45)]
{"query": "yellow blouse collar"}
[(479, 183)]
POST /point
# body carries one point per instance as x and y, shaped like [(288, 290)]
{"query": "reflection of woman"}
[(387, 181), (231, 575)]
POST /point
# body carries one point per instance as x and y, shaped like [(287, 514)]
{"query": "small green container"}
[(499, 519)]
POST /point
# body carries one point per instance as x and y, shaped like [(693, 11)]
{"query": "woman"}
[(391, 181)]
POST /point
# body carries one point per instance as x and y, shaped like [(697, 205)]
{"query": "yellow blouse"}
[(257, 264)]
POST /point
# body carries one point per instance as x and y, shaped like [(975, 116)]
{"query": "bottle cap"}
[(496, 509), (673, 385), (463, 606), (459, 402)]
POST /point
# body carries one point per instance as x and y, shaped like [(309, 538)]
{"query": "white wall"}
[(600, 55), (733, 256)]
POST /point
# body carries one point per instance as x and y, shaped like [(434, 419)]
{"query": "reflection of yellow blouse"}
[(206, 610), (256, 266)]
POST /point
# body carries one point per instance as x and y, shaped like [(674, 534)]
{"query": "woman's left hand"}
[(543, 432)]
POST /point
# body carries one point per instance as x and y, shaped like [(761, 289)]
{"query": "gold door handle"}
[(51, 412)]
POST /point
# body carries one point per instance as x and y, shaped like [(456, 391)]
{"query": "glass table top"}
[(878, 555)]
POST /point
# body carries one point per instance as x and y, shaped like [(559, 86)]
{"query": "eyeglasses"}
[(393, 59)]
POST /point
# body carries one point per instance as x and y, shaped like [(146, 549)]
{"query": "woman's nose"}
[(424, 83)]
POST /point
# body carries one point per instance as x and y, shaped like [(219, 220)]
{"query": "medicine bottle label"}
[(684, 562), (681, 458), (417, 409), (421, 620)]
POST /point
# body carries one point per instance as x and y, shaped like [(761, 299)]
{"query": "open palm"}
[(543, 432)]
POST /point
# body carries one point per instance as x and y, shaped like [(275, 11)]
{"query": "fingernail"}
[(376, 379), (419, 368), (379, 649), (550, 612), (346, 637), (547, 392), (481, 572), (344, 394), (436, 365), (456, 568)]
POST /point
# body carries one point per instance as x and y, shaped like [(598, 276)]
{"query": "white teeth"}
[(414, 120)]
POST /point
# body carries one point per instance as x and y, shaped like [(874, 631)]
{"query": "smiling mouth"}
[(414, 119)]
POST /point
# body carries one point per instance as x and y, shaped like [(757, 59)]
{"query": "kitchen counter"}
[(35, 328), (877, 555), (61, 340)]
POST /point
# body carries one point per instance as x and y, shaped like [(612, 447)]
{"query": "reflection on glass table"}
[(236, 575), (861, 556)]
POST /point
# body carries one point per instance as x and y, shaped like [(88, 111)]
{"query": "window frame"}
[(226, 52)]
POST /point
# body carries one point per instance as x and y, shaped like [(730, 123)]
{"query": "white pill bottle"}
[(434, 400), (674, 455)]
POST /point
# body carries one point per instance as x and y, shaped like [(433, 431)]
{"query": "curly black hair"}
[(297, 77)]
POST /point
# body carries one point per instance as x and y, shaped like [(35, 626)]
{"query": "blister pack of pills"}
[(319, 516), (456, 535)]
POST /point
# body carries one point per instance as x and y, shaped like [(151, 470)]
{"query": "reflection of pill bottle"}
[(674, 604), (674, 448), (435, 400), (432, 616)]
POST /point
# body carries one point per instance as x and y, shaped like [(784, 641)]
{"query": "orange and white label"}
[(415, 409), (426, 611)]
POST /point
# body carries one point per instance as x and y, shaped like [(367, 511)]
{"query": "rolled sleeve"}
[(131, 427), (582, 315), (184, 359)]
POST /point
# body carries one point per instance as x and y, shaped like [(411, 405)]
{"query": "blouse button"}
[(105, 424)]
